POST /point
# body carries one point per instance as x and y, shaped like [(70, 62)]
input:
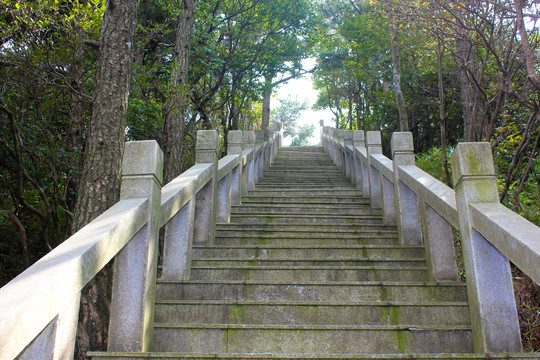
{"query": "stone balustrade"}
[(425, 210), (39, 308)]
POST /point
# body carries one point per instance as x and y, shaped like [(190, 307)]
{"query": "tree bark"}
[(529, 57), (442, 110), (266, 101), (396, 69), (463, 52), (100, 178), (174, 123)]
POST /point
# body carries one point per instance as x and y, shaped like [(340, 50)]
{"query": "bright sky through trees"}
[(302, 90)]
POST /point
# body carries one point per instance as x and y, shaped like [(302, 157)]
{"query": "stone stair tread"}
[(315, 303), (374, 246), (321, 283), (315, 327), (311, 268), (307, 215), (251, 356), (322, 260)]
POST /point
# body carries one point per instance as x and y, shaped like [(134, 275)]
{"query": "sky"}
[(302, 89)]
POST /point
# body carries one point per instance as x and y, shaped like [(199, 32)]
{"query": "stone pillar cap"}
[(374, 138), (249, 137), (235, 137), (207, 140), (402, 142), (358, 135), (143, 158), (472, 159)]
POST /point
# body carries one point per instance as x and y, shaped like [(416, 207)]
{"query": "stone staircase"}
[(307, 270)]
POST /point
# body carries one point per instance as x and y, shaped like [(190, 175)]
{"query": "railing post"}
[(249, 144), (205, 210), (236, 145), (408, 217), (340, 150), (358, 140), (374, 146), (321, 122), (267, 150), (259, 167), (334, 146), (489, 280), (135, 266), (349, 165), (280, 134)]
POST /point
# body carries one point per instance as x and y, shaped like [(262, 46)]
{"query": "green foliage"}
[(303, 133), (288, 112), (431, 162)]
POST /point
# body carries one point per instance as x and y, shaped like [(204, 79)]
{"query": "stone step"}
[(303, 172), (310, 273), (307, 339), (309, 228), (291, 239), (306, 262), (311, 356), (314, 313), (331, 291), (303, 209), (307, 199), (321, 251), (299, 191), (303, 220), (329, 181)]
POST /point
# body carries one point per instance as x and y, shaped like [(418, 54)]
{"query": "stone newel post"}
[(349, 165), (236, 145), (135, 266), (249, 178), (408, 216), (374, 146), (489, 280), (205, 211)]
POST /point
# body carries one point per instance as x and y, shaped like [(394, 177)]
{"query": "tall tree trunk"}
[(396, 68), (442, 110), (100, 178), (174, 123), (266, 101), (529, 56), (463, 52)]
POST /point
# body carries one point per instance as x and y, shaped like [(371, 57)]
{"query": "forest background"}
[(80, 77)]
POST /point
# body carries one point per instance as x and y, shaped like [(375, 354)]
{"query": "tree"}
[(288, 112), (173, 125), (101, 171)]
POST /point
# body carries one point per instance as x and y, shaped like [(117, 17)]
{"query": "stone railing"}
[(39, 308), (425, 210)]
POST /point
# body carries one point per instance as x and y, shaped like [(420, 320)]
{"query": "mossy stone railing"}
[(39, 308), (425, 210)]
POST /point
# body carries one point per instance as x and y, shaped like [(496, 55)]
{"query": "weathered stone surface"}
[(408, 215), (489, 280), (135, 266)]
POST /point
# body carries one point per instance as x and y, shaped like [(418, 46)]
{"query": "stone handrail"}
[(40, 307), (424, 210)]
